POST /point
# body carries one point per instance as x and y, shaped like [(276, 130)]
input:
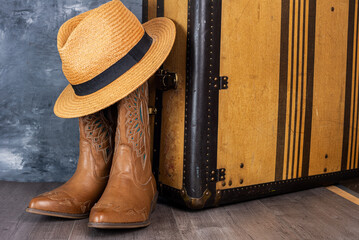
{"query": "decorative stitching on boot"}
[(66, 200), (99, 131), (137, 120)]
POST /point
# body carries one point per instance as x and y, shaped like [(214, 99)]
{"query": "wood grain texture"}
[(248, 109), (172, 130), (344, 194), (313, 214), (311, 93), (152, 9), (172, 125), (329, 87), (352, 75)]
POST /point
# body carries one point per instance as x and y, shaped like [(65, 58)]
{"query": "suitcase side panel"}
[(197, 190), (173, 111), (329, 86), (350, 152), (292, 125), (168, 123), (248, 109)]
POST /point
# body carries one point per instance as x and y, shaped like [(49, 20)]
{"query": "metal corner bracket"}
[(195, 203)]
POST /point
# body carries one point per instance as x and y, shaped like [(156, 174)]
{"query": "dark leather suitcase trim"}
[(144, 11), (201, 107), (158, 98), (233, 195), (157, 134), (160, 8)]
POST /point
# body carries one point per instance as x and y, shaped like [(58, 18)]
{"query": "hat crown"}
[(95, 40)]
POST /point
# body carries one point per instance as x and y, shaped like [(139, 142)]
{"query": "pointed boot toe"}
[(75, 198), (61, 206), (116, 217), (40, 203)]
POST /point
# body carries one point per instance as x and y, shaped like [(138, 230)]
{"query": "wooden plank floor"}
[(312, 214)]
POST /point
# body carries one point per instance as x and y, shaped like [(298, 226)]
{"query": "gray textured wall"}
[(35, 145)]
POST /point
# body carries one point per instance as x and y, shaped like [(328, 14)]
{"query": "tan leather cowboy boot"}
[(131, 193), (75, 198)]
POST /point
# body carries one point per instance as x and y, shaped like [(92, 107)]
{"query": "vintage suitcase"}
[(266, 100)]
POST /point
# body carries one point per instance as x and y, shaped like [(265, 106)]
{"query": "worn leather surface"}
[(85, 187), (200, 143), (131, 186)]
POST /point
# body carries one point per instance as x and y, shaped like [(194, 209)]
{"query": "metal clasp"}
[(223, 82), (218, 175), (166, 80)]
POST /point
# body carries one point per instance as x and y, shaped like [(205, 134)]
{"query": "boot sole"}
[(126, 225), (57, 214)]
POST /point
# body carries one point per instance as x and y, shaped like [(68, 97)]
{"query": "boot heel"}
[(154, 203)]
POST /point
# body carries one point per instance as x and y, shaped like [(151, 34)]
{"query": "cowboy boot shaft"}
[(133, 130), (131, 191), (96, 145)]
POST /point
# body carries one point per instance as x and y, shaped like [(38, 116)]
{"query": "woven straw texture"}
[(93, 41)]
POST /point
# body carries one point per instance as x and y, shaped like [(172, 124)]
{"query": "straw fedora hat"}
[(106, 54)]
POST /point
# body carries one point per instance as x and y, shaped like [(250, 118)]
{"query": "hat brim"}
[(163, 32)]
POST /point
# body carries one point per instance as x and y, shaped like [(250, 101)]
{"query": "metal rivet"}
[(207, 193), (212, 179), (213, 172)]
